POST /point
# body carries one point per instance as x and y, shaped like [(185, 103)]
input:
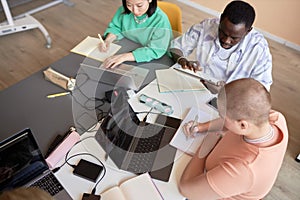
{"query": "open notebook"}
[(137, 188), (171, 80), (89, 48)]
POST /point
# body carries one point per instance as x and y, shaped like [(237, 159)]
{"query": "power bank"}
[(88, 170)]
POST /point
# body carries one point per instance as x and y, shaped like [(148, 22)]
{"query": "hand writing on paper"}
[(104, 46), (191, 130)]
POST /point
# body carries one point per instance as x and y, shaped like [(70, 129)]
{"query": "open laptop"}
[(23, 165), (127, 76), (136, 146)]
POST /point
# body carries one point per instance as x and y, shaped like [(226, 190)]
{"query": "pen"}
[(101, 40), (194, 123), (57, 94)]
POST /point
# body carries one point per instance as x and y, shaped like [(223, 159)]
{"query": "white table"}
[(180, 102), (76, 186)]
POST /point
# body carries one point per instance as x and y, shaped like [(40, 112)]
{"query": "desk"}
[(114, 176), (25, 104)]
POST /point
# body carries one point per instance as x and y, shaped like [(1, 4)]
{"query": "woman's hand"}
[(104, 46), (116, 60)]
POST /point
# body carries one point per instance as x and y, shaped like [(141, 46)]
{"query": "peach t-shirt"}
[(239, 170)]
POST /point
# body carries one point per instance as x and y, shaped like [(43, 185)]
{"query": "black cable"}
[(86, 102), (145, 118), (81, 154), (147, 112)]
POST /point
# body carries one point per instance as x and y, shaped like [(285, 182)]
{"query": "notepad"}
[(170, 80), (198, 74), (190, 145), (137, 188), (89, 48)]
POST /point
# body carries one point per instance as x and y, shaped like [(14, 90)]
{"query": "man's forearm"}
[(176, 53)]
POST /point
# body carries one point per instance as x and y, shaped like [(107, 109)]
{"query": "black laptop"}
[(135, 145), (23, 165)]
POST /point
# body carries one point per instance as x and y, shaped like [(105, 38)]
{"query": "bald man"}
[(234, 167)]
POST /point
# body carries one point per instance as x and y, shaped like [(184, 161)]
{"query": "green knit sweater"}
[(154, 34)]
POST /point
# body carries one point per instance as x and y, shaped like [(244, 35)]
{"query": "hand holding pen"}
[(190, 129), (103, 47)]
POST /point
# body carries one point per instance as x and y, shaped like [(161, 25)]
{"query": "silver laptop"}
[(126, 76), (23, 165)]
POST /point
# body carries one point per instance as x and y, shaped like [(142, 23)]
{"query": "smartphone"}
[(213, 103), (168, 121), (87, 196), (88, 170)]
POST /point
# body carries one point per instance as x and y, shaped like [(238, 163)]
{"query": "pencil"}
[(57, 94)]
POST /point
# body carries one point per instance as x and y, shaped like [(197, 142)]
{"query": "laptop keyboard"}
[(150, 144), (145, 151), (48, 183)]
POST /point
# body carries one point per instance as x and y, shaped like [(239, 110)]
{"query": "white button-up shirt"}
[(250, 58)]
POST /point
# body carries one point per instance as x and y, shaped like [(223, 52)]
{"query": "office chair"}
[(174, 14)]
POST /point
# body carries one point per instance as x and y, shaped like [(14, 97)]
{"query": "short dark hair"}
[(150, 11), (239, 12)]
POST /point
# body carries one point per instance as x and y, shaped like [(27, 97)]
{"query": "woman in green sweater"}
[(142, 22)]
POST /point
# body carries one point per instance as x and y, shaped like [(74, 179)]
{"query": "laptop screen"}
[(126, 76), (20, 160)]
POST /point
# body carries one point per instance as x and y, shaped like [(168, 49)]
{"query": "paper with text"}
[(89, 48), (190, 145)]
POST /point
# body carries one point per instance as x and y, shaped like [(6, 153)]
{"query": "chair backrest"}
[(174, 14)]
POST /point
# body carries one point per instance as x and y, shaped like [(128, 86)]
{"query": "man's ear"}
[(243, 124), (249, 29)]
